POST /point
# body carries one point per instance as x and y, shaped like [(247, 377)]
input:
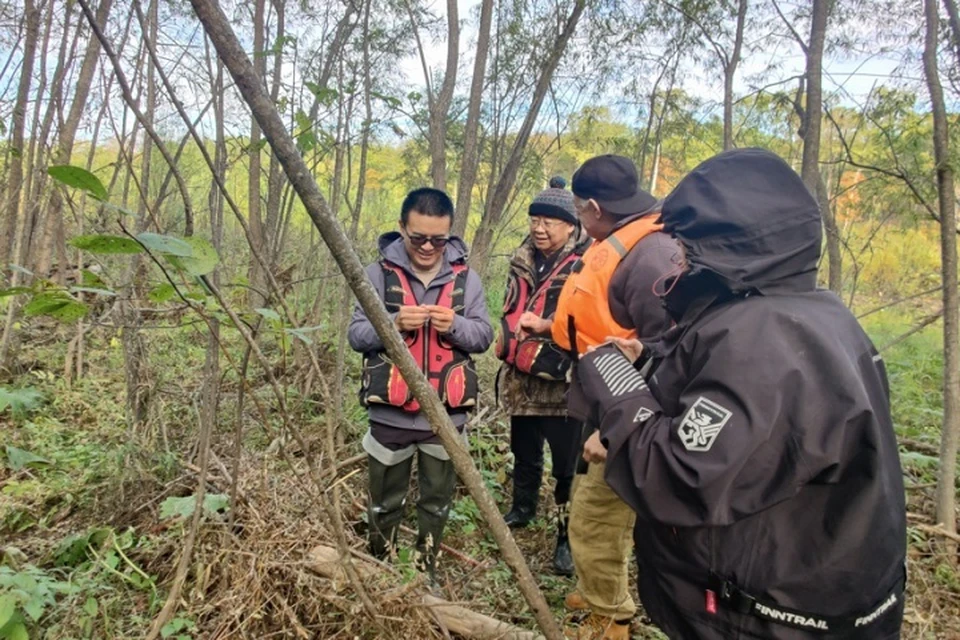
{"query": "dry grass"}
[(255, 582)]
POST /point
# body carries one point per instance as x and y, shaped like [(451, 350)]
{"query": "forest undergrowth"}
[(93, 517)]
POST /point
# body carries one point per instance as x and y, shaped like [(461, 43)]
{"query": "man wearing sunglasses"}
[(438, 305)]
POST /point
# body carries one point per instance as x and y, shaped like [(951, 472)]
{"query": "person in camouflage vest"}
[(532, 380)]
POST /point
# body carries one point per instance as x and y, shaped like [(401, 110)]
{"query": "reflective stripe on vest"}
[(583, 317)]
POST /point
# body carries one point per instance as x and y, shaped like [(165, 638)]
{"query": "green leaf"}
[(14, 291), (106, 244), (16, 632), (306, 141), (56, 304), (269, 314), (8, 606), (175, 626), (90, 607), (18, 459), (301, 333), (390, 101), (34, 607), (325, 95), (297, 333), (90, 279), (202, 260), (183, 507), (216, 502), (168, 245), (74, 550), (162, 293), (20, 401), (79, 178)]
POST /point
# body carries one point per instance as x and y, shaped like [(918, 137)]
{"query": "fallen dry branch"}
[(449, 616), (937, 531), (920, 447)]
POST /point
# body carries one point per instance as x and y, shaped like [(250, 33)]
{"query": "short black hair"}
[(429, 202)]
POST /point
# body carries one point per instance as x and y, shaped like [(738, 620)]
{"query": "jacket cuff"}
[(458, 332), (617, 393), (625, 417)]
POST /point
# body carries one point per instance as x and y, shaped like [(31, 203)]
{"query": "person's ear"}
[(595, 208)]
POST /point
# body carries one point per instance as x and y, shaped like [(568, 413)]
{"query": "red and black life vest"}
[(534, 355), (450, 370)]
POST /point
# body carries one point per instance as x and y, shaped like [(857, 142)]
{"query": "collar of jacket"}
[(625, 220), (522, 262)]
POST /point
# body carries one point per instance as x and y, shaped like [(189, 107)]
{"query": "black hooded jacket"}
[(759, 452)]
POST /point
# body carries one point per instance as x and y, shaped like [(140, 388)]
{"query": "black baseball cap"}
[(612, 181)]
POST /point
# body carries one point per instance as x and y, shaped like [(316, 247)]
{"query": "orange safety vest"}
[(584, 307)]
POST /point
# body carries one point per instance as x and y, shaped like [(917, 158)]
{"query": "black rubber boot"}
[(437, 480), (388, 494), (562, 557), (526, 494)]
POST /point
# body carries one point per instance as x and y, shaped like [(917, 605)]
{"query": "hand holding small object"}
[(441, 317), (410, 317)]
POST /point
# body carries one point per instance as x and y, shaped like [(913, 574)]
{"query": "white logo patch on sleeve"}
[(618, 374), (642, 415), (702, 424)]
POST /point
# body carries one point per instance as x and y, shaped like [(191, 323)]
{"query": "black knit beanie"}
[(555, 202)]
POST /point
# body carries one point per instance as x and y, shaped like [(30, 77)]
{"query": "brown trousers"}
[(601, 537)]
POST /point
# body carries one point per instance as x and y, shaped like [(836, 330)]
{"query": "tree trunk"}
[(439, 111), (813, 115), (17, 181), (134, 347), (832, 236), (34, 176), (346, 298), (18, 122), (508, 177), (471, 135), (68, 132), (729, 72), (231, 52), (136, 354), (256, 277), (275, 182), (946, 493)]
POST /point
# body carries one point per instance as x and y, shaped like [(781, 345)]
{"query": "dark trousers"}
[(527, 434)]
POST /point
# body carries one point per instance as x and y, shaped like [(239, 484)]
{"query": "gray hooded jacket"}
[(471, 331)]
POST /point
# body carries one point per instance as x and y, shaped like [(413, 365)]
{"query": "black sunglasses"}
[(418, 240)]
